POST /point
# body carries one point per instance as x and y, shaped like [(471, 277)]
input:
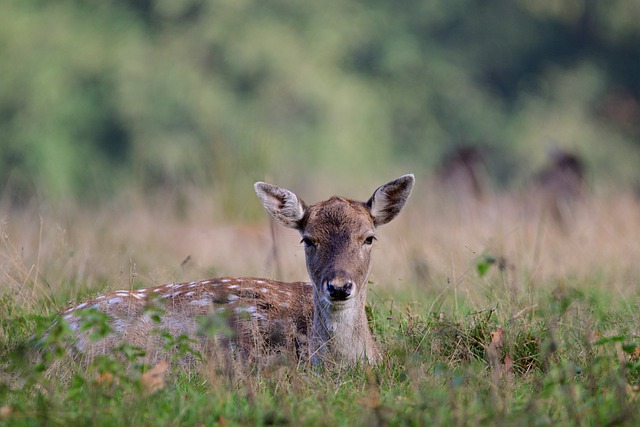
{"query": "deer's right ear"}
[(283, 205)]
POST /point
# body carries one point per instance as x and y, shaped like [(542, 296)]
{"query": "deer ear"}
[(388, 200), (283, 205)]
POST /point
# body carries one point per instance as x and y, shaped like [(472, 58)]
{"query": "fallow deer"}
[(560, 185), (321, 321), (463, 172)]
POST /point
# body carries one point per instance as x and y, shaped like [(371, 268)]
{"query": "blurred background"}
[(100, 97)]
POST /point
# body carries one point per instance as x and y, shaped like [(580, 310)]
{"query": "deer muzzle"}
[(339, 293)]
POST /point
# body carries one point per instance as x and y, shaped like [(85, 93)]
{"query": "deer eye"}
[(308, 242), (369, 240)]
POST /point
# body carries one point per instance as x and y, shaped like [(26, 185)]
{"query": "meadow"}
[(487, 311)]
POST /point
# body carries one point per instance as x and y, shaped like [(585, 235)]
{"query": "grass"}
[(488, 314)]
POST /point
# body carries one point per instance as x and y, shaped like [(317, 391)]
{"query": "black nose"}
[(339, 293)]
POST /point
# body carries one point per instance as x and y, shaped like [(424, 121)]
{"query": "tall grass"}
[(488, 313)]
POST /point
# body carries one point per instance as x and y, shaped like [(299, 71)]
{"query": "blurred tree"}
[(96, 96)]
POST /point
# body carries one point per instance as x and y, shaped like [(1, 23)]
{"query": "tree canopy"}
[(99, 95)]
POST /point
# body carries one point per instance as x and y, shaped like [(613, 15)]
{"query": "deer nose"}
[(339, 293)]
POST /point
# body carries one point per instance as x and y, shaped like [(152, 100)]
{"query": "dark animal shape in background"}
[(463, 172), (561, 184)]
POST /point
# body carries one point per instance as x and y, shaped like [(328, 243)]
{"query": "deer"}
[(561, 185), (322, 321), (463, 172)]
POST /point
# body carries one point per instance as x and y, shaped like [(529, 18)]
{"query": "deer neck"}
[(341, 331)]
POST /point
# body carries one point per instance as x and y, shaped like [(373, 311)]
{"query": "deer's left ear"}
[(388, 199)]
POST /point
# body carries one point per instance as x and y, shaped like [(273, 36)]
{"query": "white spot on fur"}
[(193, 285), (251, 309), (284, 304), (119, 325), (100, 297), (232, 297), (260, 282), (68, 316), (157, 290), (123, 294), (188, 294), (78, 307), (201, 302), (232, 286), (206, 282), (225, 280), (258, 316), (264, 290), (114, 300)]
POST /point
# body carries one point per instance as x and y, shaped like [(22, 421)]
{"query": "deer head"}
[(338, 235)]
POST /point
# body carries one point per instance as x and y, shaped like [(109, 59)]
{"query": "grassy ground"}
[(488, 313)]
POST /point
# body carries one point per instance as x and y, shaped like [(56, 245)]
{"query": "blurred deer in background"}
[(321, 321), (463, 173), (561, 184)]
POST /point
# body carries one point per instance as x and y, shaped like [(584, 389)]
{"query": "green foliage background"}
[(101, 95)]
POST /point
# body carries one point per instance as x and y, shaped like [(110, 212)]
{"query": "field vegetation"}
[(486, 313)]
